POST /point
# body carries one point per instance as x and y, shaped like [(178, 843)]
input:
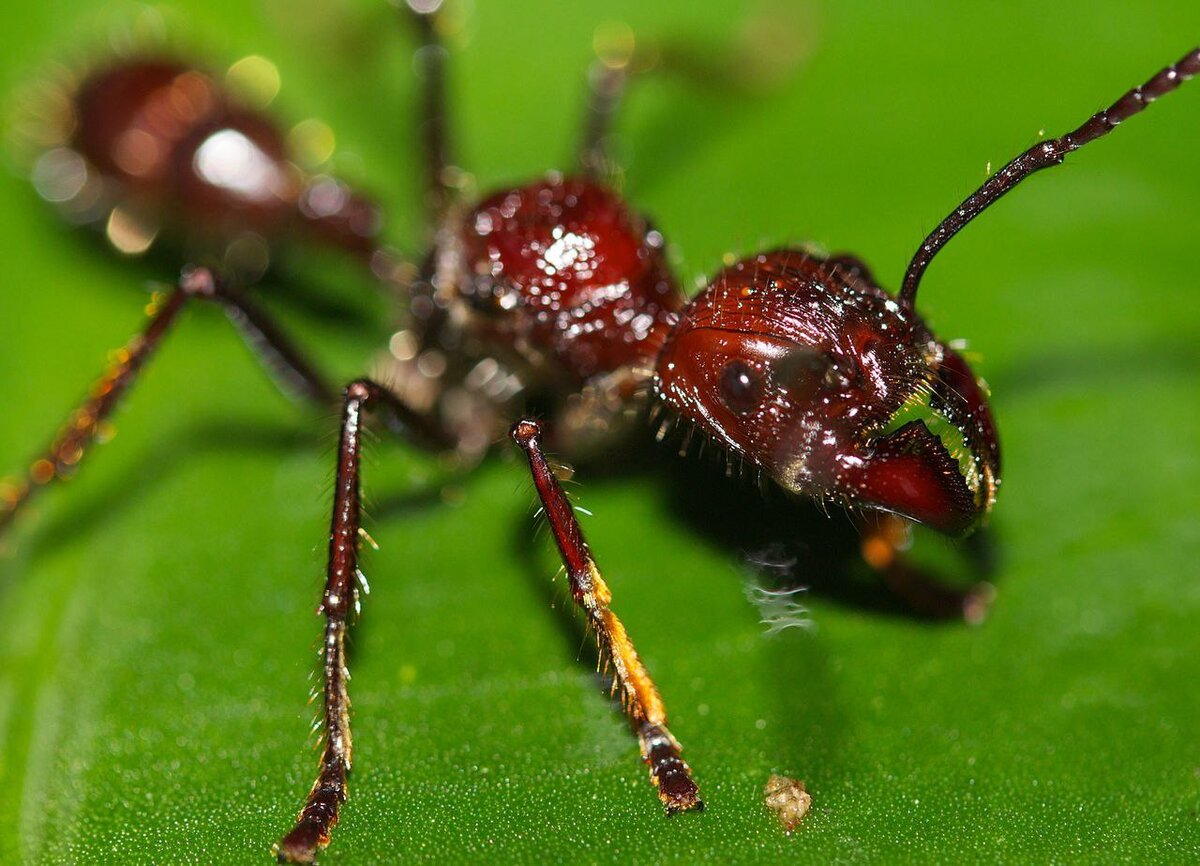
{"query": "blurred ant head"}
[(807, 369)]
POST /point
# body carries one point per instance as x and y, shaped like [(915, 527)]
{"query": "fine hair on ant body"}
[(554, 295)]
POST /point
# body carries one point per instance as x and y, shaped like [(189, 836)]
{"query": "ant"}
[(557, 295)]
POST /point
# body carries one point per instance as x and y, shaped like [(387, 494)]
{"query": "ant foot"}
[(669, 772)]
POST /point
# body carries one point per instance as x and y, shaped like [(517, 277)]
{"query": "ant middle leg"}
[(282, 359), (885, 537), (639, 696), (85, 423)]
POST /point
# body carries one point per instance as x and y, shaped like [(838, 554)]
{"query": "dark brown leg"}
[(431, 61), (766, 48), (287, 365), (320, 812), (639, 696), (68, 448), (884, 540), (606, 86)]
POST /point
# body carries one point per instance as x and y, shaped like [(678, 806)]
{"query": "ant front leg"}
[(639, 696), (320, 813), (68, 448), (885, 537)]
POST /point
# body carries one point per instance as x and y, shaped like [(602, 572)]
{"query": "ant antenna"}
[(1043, 155)]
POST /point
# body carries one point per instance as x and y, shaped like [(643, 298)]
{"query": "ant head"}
[(807, 369)]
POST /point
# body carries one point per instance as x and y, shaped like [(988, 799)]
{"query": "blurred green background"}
[(156, 627)]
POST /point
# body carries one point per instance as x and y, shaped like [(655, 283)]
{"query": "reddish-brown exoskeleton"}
[(555, 294)]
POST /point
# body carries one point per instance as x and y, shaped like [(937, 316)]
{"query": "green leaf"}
[(157, 633)]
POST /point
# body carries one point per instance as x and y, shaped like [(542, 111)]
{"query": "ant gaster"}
[(798, 364)]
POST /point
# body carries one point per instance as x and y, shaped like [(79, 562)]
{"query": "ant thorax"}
[(553, 295)]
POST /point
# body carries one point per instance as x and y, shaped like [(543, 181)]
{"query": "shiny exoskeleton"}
[(555, 292), (556, 295), (835, 389)]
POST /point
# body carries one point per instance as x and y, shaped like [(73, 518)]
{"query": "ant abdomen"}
[(155, 146)]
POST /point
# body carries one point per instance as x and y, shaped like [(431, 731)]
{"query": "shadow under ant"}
[(229, 435), (224, 436), (741, 521), (782, 542)]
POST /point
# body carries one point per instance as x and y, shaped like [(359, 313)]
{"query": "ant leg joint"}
[(198, 281), (526, 432), (360, 390)]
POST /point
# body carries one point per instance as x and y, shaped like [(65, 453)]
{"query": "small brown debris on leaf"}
[(788, 799)]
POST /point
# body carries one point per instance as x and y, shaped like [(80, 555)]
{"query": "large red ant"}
[(921, 442)]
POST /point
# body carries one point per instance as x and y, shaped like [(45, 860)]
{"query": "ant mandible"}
[(555, 294)]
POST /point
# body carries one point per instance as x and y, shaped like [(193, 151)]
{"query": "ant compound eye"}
[(741, 387), (835, 378)]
